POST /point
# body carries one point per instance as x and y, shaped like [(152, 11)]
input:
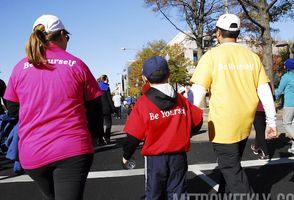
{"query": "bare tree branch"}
[(254, 5), (208, 11), (168, 19), (271, 5), (187, 5), (281, 10), (250, 18), (201, 11)]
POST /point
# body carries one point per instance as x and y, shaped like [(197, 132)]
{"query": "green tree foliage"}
[(176, 60), (135, 77), (178, 64)]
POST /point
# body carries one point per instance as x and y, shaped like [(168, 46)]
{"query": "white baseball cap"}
[(51, 23), (228, 22)]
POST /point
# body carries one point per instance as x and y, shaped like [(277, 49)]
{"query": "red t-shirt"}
[(163, 131)]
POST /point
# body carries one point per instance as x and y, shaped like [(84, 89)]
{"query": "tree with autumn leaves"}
[(256, 16), (175, 56)]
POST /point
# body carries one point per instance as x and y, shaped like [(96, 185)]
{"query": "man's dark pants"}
[(233, 178)]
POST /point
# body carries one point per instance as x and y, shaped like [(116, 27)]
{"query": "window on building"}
[(195, 57)]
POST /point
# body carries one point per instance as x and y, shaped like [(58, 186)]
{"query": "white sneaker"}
[(264, 157), (291, 150)]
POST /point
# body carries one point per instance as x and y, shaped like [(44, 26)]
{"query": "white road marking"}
[(18, 179), (196, 168), (116, 173), (104, 146), (205, 178)]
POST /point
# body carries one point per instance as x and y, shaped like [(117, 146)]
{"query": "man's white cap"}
[(51, 23), (228, 22)]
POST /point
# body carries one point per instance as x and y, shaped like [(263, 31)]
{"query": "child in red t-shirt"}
[(164, 120)]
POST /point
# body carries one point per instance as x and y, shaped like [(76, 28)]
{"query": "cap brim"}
[(66, 32)]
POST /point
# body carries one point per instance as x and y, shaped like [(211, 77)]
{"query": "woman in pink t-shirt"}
[(49, 91)]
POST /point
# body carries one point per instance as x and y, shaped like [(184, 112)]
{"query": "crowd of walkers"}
[(61, 110)]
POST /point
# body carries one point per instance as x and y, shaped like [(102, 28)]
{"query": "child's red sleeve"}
[(197, 115), (135, 125)]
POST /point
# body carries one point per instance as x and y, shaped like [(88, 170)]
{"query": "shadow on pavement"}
[(264, 181), (277, 144), (114, 144)]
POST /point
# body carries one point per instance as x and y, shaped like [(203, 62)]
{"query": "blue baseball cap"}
[(289, 63), (155, 69)]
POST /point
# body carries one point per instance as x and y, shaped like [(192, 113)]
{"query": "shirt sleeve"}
[(10, 93), (199, 93), (135, 125), (92, 89), (266, 98), (279, 91), (203, 72), (197, 115)]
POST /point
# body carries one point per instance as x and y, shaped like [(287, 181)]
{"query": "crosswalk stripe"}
[(205, 178), (195, 168)]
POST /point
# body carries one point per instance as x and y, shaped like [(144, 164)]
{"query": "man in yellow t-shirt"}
[(235, 77)]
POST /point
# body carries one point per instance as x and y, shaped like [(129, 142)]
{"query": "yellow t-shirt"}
[(232, 74)]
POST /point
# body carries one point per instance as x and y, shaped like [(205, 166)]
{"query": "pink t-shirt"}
[(52, 114)]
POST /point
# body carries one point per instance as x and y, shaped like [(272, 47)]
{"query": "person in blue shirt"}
[(129, 100), (286, 87), (107, 107)]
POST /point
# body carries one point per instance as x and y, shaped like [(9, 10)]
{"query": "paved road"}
[(107, 180)]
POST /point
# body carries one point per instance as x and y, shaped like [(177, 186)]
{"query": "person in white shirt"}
[(117, 104)]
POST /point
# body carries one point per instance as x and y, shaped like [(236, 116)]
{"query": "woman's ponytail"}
[(36, 47)]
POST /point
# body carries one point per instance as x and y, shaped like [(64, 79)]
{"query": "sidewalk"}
[(203, 136)]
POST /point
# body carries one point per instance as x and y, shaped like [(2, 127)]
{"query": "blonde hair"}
[(37, 45)]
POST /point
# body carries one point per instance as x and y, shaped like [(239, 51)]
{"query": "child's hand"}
[(124, 161), (128, 164)]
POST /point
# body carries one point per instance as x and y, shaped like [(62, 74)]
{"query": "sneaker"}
[(101, 142), (291, 150), (255, 151), (292, 144), (264, 157), (107, 139)]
